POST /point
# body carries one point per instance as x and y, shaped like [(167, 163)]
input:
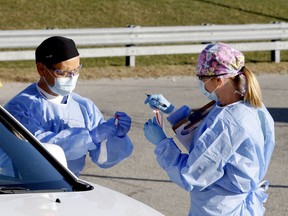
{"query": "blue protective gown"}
[(227, 161), (70, 126)]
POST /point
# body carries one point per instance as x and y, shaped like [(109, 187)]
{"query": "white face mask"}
[(209, 95), (63, 86)]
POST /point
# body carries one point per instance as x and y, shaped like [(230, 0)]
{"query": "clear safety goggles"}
[(67, 73)]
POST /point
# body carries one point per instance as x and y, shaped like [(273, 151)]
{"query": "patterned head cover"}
[(219, 60)]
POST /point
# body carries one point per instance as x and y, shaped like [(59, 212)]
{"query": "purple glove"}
[(123, 123), (104, 131)]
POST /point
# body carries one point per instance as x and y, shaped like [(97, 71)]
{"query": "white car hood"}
[(100, 201)]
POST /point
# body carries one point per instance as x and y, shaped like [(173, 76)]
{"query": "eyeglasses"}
[(203, 77), (210, 76), (67, 73)]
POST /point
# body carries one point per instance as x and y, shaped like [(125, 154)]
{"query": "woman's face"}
[(210, 84)]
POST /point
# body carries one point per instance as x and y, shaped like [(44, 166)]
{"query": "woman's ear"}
[(41, 68), (220, 81)]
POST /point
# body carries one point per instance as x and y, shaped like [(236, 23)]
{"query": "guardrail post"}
[(130, 60), (275, 55)]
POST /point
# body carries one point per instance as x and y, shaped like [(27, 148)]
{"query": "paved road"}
[(139, 176)]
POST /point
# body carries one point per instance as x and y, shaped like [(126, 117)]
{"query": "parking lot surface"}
[(140, 176)]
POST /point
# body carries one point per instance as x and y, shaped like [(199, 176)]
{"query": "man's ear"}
[(41, 68)]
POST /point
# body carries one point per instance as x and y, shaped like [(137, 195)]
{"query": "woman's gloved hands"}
[(157, 100), (123, 123), (153, 132)]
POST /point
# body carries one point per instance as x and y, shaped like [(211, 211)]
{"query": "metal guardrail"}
[(136, 40)]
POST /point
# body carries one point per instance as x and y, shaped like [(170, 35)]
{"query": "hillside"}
[(33, 14)]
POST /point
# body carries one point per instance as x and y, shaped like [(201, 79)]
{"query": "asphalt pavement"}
[(139, 176)]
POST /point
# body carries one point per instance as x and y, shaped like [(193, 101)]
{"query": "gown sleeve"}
[(69, 127), (204, 165), (75, 141)]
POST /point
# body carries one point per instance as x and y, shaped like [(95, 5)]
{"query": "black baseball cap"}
[(55, 49)]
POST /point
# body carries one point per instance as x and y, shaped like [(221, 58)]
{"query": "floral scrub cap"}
[(219, 60)]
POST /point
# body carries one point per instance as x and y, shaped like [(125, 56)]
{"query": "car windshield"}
[(23, 167)]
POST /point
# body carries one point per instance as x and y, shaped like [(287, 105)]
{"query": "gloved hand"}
[(157, 100), (123, 123), (104, 131), (153, 132), (179, 114)]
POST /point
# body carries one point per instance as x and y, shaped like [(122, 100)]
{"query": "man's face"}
[(66, 68)]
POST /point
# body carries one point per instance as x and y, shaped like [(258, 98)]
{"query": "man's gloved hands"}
[(153, 132), (157, 100), (119, 126), (123, 123), (104, 131)]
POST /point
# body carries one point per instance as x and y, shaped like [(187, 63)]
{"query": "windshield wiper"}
[(12, 190)]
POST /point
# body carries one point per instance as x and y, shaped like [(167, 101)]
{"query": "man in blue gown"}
[(51, 111)]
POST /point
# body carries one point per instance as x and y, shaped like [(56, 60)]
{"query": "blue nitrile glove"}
[(104, 131), (178, 115), (157, 100), (153, 132), (123, 123)]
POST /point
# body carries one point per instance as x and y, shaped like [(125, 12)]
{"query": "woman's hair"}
[(252, 92)]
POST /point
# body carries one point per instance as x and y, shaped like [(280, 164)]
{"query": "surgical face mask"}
[(63, 86), (209, 95)]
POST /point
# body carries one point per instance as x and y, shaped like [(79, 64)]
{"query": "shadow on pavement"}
[(150, 180), (279, 114), (125, 178)]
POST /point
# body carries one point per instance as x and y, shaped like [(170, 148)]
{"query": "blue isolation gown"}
[(73, 126), (227, 161)]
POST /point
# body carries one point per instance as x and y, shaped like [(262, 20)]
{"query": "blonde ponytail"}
[(253, 93)]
